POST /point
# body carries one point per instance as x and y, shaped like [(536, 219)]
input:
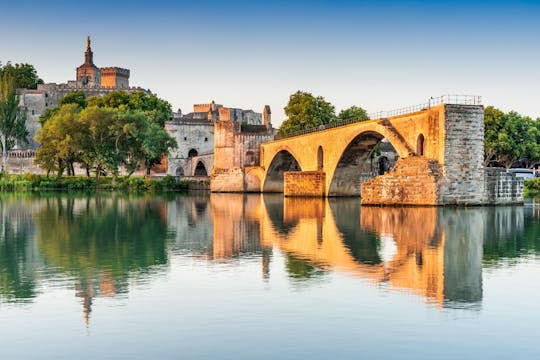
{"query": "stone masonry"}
[(304, 183), (415, 180)]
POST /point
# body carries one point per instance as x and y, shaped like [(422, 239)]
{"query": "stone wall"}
[(415, 180), (304, 183), (195, 136), (463, 155), (227, 180), (503, 187)]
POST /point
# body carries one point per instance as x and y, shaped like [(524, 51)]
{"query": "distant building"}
[(194, 134), (90, 79)]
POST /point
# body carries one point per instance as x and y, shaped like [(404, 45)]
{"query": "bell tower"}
[(88, 74)]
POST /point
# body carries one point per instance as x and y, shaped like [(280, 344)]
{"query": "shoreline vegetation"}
[(531, 186), (34, 182)]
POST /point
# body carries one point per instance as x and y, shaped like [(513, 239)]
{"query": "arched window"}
[(420, 145), (192, 153), (320, 160)]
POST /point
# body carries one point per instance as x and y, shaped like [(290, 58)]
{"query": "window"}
[(205, 139), (185, 138)]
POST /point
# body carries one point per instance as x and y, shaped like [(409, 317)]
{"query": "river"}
[(232, 276)]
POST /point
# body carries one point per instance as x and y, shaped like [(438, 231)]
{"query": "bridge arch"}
[(353, 164), (200, 169), (282, 162)]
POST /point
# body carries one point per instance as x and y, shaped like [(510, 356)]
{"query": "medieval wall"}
[(35, 102), (192, 137), (234, 150), (503, 187), (114, 77)]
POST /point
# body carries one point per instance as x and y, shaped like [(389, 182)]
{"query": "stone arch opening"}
[(192, 153), (282, 162), (361, 161), (250, 158), (320, 158), (420, 145), (179, 172), (200, 169)]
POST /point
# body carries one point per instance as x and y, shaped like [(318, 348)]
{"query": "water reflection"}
[(101, 243), (97, 242)]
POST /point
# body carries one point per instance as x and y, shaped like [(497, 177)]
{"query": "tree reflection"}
[(18, 260), (102, 241)]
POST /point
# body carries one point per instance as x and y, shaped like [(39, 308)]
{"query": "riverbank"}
[(33, 182)]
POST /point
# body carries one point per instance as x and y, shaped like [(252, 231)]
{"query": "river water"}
[(231, 276)]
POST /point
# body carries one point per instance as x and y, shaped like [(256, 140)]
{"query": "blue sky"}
[(378, 55)]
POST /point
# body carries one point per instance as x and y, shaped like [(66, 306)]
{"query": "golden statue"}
[(88, 42)]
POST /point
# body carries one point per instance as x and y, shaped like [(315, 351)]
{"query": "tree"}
[(77, 97), (156, 143), (305, 111), (353, 112), (99, 143), (12, 117), (61, 139), (510, 138), (25, 75), (155, 109)]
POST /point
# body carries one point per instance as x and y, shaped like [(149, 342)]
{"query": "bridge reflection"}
[(436, 253)]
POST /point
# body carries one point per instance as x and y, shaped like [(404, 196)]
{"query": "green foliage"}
[(532, 185), (34, 182), (24, 75), (104, 134), (12, 117), (61, 140), (510, 139), (353, 112), (305, 111), (75, 97), (155, 110)]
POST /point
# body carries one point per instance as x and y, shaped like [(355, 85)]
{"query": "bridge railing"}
[(432, 101)]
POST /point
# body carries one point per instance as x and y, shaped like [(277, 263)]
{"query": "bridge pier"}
[(304, 183)]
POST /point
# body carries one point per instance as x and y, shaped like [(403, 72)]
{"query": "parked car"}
[(522, 172)]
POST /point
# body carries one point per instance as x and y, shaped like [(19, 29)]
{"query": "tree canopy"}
[(104, 134), (510, 139), (353, 112), (24, 75), (306, 111)]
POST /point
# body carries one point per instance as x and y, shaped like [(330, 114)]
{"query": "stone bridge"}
[(440, 150)]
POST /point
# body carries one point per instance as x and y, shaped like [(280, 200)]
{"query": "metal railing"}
[(432, 101)]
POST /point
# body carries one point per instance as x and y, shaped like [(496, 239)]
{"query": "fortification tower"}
[(88, 74), (114, 77)]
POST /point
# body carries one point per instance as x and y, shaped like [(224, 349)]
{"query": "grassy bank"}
[(33, 182), (532, 186)]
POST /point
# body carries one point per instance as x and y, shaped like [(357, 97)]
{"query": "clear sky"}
[(378, 55)]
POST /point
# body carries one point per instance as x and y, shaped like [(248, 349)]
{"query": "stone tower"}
[(88, 74), (267, 117)]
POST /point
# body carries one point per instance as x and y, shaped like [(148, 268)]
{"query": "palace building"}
[(89, 78)]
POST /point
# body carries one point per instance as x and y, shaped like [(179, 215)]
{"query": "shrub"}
[(532, 185)]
